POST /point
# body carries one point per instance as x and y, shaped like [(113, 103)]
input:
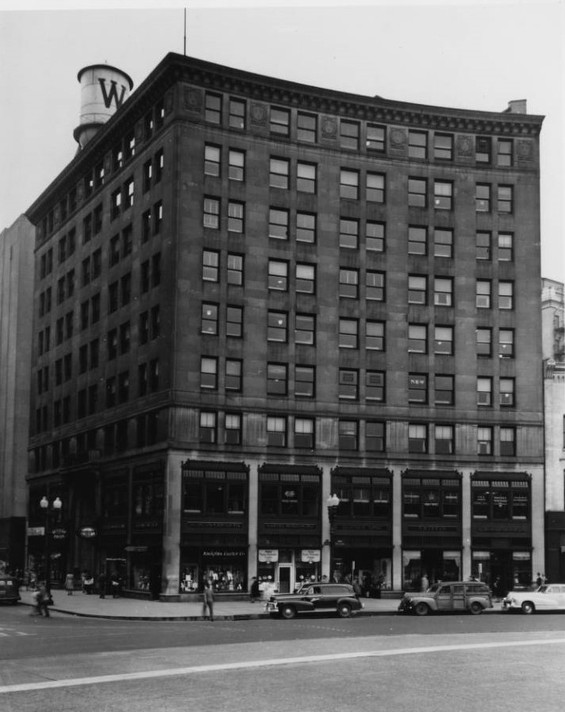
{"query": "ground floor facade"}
[(164, 525)]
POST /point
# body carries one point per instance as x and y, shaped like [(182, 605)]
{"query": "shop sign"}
[(136, 548), (36, 531), (59, 533), (289, 496), (87, 532), (221, 553), (310, 555), (268, 556)]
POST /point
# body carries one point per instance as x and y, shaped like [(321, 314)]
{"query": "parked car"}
[(549, 597), (9, 589), (472, 596), (319, 597)]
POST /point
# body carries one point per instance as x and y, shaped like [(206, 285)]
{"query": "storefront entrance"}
[(503, 570), (431, 564)]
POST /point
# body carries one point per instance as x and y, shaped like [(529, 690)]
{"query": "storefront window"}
[(361, 501), (289, 494), (362, 495), (427, 498), (501, 499), (214, 497), (214, 492)]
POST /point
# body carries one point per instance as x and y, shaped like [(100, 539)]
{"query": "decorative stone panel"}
[(193, 99), (258, 114)]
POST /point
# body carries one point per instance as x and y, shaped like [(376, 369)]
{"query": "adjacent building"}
[(261, 293), (16, 294)]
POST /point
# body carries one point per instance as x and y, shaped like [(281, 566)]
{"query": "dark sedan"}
[(319, 597)]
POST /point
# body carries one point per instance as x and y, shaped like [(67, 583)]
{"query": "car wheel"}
[(421, 609), (288, 612), (344, 610), (475, 608), (528, 607)]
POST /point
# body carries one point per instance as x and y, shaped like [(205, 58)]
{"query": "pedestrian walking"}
[(102, 584), (208, 600), (42, 599), (69, 584), (254, 593)]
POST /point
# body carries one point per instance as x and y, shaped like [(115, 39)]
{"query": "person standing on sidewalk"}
[(69, 584), (102, 584), (255, 592), (208, 600)]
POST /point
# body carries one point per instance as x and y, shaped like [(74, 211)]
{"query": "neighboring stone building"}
[(553, 322), (264, 293), (16, 313)]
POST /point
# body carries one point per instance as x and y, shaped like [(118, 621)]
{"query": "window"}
[(375, 188), (417, 144), (375, 236), (348, 384), (212, 160), (506, 392), (123, 387), (482, 198), (306, 177), (417, 289), (374, 336), (483, 295), (276, 432), (483, 149), (211, 217), (505, 295), (278, 275), (348, 334), (417, 438), (304, 432), (444, 390), (417, 192), (375, 286), (506, 343), (348, 435), (277, 326), (483, 245), (304, 381), (279, 173), (233, 429), (278, 223), (125, 337), (505, 247), (280, 121), (417, 240), (484, 341), (484, 441), (349, 132), (234, 321), (444, 439), (210, 265), (376, 137), (507, 442), (233, 374), (417, 338), (236, 165), (504, 152), (443, 291), (207, 427), (443, 340), (443, 195), (236, 118), (349, 283), (443, 147), (505, 196), (159, 164), (306, 227), (305, 329), (349, 184), (306, 128), (484, 391), (236, 216), (129, 188), (443, 242), (209, 319), (375, 386), (375, 442), (125, 287), (348, 233), (305, 278), (417, 388), (209, 373), (213, 108), (235, 269)]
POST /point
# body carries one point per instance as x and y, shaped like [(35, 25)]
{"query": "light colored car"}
[(453, 596), (549, 597)]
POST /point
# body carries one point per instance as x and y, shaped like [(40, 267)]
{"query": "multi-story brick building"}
[(264, 293)]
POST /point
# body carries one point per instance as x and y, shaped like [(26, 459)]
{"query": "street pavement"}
[(92, 606)]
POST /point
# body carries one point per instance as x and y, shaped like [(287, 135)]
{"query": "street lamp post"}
[(49, 508), (332, 503)]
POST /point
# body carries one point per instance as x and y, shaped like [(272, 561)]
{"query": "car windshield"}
[(434, 587)]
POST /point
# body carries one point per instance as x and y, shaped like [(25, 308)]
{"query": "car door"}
[(314, 597), (551, 599), (444, 599), (459, 602)]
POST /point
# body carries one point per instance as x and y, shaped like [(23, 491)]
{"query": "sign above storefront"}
[(87, 532), (310, 555), (59, 533), (268, 556), (36, 531)]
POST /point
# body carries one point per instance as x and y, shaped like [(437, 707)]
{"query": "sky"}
[(468, 54)]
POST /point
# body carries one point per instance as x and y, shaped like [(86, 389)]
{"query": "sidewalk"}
[(79, 604)]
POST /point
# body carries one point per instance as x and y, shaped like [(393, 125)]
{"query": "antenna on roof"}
[(185, 31)]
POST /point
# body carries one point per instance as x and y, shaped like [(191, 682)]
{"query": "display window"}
[(225, 568)]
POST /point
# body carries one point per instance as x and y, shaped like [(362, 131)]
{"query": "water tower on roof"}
[(103, 89)]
